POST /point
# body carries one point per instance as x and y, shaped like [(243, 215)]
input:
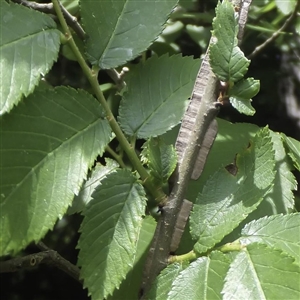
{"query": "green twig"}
[(92, 75), (184, 257), (116, 156), (234, 246)]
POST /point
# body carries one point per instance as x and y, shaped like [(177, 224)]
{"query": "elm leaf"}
[(118, 31), (240, 188), (202, 279), (48, 143), (110, 233), (261, 272), (160, 158), (276, 231), (156, 96), (28, 51), (240, 95), (226, 58)]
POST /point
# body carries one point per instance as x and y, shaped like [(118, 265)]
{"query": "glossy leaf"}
[(277, 232), (97, 175), (260, 272), (222, 152), (163, 282), (203, 279), (118, 31), (129, 288), (293, 150), (239, 190), (231, 139), (226, 58), (286, 7), (281, 198), (240, 95), (48, 144), (28, 50), (160, 158), (155, 100), (110, 232)]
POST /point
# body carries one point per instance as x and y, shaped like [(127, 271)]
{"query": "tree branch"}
[(198, 118), (49, 257), (243, 16), (159, 252), (274, 36)]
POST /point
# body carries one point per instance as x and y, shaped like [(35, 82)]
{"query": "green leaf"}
[(161, 47), (97, 175), (281, 198), (28, 50), (160, 158), (130, 287), (286, 7), (293, 150), (262, 28), (231, 139), (240, 95), (172, 31), (243, 106), (199, 34), (154, 87), (279, 231), (233, 192), (47, 145), (260, 272), (203, 279), (163, 282), (120, 30), (110, 233), (226, 58)]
